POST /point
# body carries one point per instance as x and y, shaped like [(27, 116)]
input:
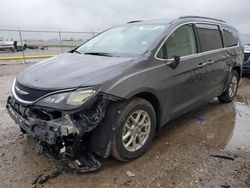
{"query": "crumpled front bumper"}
[(48, 134), (46, 131)]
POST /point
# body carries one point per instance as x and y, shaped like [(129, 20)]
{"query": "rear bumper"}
[(6, 46)]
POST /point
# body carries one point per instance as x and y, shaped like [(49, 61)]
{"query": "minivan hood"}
[(70, 70)]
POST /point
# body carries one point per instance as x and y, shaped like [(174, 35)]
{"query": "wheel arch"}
[(155, 102), (238, 70), (101, 145)]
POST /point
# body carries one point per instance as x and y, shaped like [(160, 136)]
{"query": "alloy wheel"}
[(136, 130)]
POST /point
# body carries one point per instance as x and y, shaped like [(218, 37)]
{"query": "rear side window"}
[(230, 37), (180, 43), (210, 37)]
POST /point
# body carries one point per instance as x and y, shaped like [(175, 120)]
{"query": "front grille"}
[(31, 94), (17, 107), (246, 56)]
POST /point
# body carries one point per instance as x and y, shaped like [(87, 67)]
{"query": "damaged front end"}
[(66, 133)]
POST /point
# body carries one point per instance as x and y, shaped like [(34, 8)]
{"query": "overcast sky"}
[(87, 15)]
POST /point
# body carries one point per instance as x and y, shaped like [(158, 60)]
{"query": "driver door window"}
[(180, 43)]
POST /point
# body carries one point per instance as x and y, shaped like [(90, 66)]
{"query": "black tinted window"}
[(209, 36), (229, 37), (180, 43)]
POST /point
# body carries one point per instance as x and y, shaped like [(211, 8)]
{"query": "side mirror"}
[(173, 64)]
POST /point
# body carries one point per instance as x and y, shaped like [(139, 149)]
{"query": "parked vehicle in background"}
[(112, 93), (7, 45), (245, 40), (246, 64), (10, 45)]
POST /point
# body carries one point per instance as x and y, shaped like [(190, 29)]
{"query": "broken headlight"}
[(67, 100)]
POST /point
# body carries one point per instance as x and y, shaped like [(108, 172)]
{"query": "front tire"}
[(231, 89), (135, 128)]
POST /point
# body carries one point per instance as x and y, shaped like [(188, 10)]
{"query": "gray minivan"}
[(111, 94)]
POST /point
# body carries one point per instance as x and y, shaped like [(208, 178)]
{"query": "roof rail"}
[(134, 21), (202, 17)]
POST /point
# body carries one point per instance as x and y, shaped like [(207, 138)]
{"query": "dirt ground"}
[(180, 155)]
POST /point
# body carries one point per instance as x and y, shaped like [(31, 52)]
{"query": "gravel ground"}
[(180, 155)]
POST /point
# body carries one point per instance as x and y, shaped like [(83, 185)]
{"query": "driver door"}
[(187, 80)]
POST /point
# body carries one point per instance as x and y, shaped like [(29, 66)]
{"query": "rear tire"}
[(134, 129), (231, 89)]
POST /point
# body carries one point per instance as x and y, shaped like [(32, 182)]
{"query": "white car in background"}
[(7, 44)]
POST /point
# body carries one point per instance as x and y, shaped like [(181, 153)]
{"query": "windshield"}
[(126, 40)]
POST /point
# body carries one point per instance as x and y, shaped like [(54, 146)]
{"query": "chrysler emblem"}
[(21, 91)]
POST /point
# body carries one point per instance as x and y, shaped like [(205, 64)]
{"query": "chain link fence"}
[(22, 44), (25, 44)]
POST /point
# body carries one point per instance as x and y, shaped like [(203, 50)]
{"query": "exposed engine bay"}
[(67, 136)]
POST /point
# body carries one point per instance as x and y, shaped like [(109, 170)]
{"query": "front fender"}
[(102, 135)]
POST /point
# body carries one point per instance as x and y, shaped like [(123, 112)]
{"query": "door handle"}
[(201, 65), (210, 62)]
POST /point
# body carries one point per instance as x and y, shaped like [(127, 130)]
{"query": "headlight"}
[(57, 98), (79, 97), (67, 100)]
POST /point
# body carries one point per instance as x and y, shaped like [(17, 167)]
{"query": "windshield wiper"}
[(99, 53), (75, 51)]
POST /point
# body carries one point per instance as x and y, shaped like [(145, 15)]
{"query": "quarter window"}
[(209, 36), (229, 37), (180, 43)]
